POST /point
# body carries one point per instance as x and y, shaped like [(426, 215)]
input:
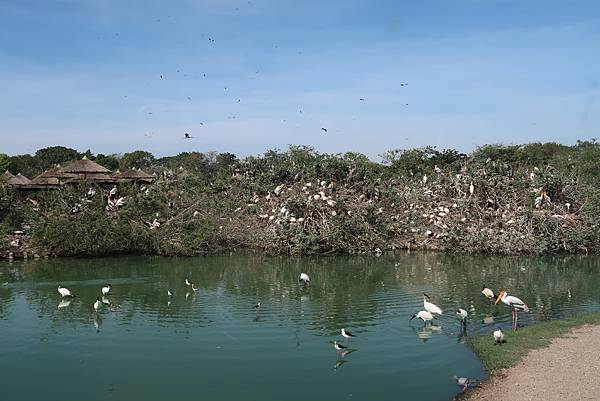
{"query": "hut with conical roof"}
[(5, 177), (134, 175), (52, 178), (18, 181), (86, 169)]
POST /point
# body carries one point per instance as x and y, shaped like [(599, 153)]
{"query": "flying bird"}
[(188, 136), (324, 129)]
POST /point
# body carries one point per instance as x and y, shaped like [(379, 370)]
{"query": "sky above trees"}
[(247, 76)]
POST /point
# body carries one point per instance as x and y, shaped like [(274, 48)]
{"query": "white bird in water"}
[(465, 382), (424, 315), (515, 304), (257, 306), (499, 336), (65, 292), (64, 303), (106, 289), (462, 315), (489, 294), (188, 282), (347, 334), (169, 293), (338, 347), (304, 278), (194, 288), (97, 305), (430, 307)]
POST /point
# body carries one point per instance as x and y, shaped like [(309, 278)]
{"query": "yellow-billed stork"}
[(515, 304)]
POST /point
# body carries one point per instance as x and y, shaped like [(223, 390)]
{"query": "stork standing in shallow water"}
[(429, 307), (462, 315), (65, 292), (304, 278), (424, 315), (515, 304), (106, 289)]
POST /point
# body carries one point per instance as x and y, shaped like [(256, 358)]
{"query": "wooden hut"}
[(4, 178), (134, 175), (18, 181), (51, 178), (86, 169)]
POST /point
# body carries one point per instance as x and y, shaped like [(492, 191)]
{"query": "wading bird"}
[(515, 304), (304, 278), (97, 305), (462, 315), (65, 292), (257, 306), (188, 282), (347, 334), (106, 289), (169, 293), (338, 347), (499, 336), (489, 294), (425, 316), (429, 307)]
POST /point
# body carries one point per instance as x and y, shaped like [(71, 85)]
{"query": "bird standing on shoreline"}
[(515, 304), (499, 336)]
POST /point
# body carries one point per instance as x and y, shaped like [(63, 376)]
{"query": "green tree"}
[(27, 165), (137, 159), (4, 162), (53, 155), (111, 162)]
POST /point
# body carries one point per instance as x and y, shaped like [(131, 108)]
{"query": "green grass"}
[(519, 343)]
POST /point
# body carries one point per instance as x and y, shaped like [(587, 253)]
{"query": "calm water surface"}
[(213, 345)]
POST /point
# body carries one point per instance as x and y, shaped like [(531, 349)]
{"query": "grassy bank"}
[(519, 343), (520, 199)]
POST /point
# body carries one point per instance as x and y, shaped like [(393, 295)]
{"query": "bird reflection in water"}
[(425, 332), (97, 322), (64, 303)]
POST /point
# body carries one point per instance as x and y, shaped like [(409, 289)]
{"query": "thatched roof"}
[(133, 174), (85, 166), (18, 180), (6, 176), (55, 172)]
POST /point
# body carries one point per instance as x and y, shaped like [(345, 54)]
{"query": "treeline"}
[(501, 199)]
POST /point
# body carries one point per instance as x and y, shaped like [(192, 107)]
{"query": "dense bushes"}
[(530, 199)]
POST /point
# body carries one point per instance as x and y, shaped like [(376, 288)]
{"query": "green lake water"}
[(213, 345)]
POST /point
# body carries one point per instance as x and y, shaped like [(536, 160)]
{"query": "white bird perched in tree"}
[(489, 294), (430, 307), (515, 304), (155, 224), (471, 189), (424, 178), (304, 278), (97, 305), (65, 292), (462, 315), (106, 289), (437, 169), (113, 191), (425, 316), (499, 336)]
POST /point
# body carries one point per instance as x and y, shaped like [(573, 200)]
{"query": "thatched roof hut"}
[(5, 177), (53, 177), (133, 175), (86, 169), (18, 180)]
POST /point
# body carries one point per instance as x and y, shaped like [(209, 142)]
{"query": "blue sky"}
[(87, 74)]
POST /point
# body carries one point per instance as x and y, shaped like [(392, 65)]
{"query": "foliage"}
[(53, 155), (519, 343), (4, 162), (137, 159), (111, 162), (27, 165)]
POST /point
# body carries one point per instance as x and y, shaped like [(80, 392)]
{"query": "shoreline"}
[(517, 369)]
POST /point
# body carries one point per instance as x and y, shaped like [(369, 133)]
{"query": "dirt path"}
[(569, 369)]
